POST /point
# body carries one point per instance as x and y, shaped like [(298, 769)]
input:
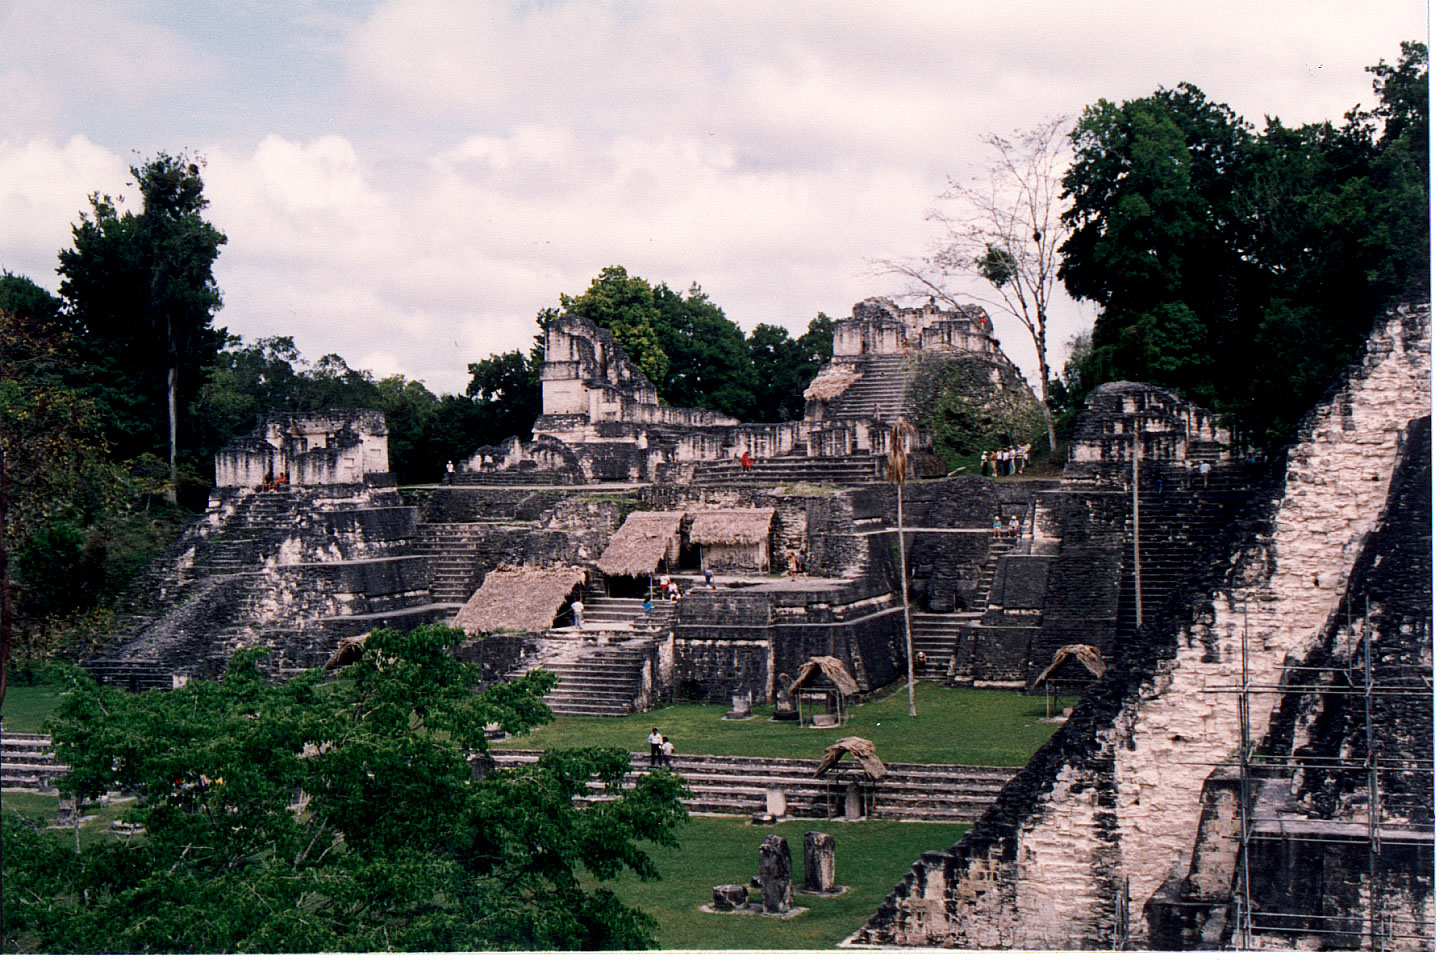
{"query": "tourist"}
[(984, 463), (655, 741), (1205, 474), (648, 607), (284, 480), (801, 558), (710, 578), (791, 563), (920, 661), (269, 483), (577, 609), (667, 750), (673, 589), (997, 528), (449, 466), (1014, 526), (746, 462)]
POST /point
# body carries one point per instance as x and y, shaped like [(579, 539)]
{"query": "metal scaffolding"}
[(1386, 823)]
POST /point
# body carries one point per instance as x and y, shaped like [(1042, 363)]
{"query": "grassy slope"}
[(869, 859), (986, 727), (26, 708)]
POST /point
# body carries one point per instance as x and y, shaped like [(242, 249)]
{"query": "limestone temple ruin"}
[(1255, 755)]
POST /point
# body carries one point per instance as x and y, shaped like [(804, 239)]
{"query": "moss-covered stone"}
[(972, 404)]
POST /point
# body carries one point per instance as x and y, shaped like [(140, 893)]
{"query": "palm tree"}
[(897, 468)]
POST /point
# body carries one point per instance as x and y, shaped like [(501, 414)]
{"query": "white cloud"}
[(44, 188), (483, 157)]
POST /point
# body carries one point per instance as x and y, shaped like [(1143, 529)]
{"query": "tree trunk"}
[(905, 594), (171, 376)]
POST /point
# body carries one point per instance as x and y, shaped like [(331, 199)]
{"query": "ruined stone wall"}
[(1083, 838)]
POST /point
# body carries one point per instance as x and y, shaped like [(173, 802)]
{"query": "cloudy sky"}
[(406, 182)]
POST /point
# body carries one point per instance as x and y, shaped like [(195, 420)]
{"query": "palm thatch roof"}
[(831, 382), (346, 653), (1083, 652), (741, 526), (858, 747), (638, 546), (832, 669), (518, 598)]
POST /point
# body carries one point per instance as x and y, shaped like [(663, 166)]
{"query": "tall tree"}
[(785, 367), (142, 286), (625, 306), (1243, 269), (1004, 228), (395, 845), (49, 447)]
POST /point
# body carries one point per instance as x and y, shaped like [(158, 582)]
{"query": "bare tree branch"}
[(1003, 228)]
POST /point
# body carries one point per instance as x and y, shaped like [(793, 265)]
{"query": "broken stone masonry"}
[(1122, 830)]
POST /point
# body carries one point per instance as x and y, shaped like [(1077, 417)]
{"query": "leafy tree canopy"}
[(140, 291), (320, 816), (1243, 268)]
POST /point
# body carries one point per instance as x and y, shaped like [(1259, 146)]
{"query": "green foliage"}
[(1240, 268), (974, 406), (785, 367), (625, 306), (695, 355), (140, 291), (396, 848), (505, 394), (25, 298)]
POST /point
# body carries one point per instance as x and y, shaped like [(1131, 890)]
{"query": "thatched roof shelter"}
[(860, 748), (637, 548), (518, 598), (1086, 654), (737, 527), (831, 383), (346, 653), (832, 669)]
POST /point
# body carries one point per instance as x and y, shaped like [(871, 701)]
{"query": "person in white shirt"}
[(655, 741), (578, 610)]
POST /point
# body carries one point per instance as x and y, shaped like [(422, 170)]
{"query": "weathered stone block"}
[(728, 897), (819, 862), (775, 873)]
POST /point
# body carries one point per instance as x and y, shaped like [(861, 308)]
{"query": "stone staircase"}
[(455, 552), (627, 614), (596, 680), (27, 761), (1176, 522), (738, 786), (847, 471), (510, 478), (936, 634), (878, 394)]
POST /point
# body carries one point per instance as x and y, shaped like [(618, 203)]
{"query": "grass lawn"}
[(41, 807), (952, 725), (870, 857), (26, 708)]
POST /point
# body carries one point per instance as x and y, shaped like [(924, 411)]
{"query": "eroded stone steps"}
[(739, 786)]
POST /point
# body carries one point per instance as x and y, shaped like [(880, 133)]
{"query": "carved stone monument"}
[(67, 814), (775, 872), (739, 706), (784, 703), (819, 862)]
